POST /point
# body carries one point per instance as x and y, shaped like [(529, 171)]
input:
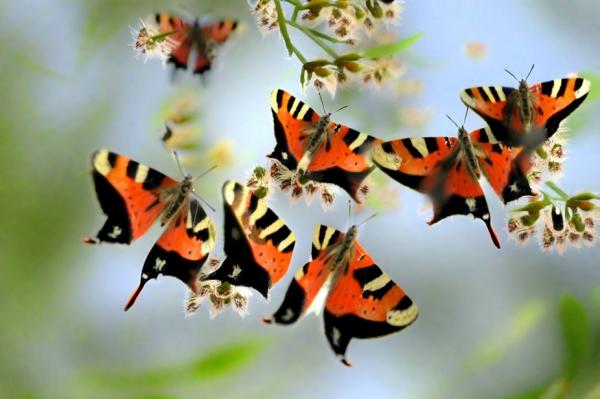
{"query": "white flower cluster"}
[(266, 15), (149, 42), (219, 294), (548, 159)]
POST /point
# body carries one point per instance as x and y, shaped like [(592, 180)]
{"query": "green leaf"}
[(576, 334), (227, 359), (389, 49), (494, 348)]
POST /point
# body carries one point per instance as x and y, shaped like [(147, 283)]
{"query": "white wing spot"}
[(335, 336), (236, 271), (159, 264), (471, 203), (116, 231)]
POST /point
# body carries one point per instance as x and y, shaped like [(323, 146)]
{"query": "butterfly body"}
[(134, 196), (358, 300), (530, 114)]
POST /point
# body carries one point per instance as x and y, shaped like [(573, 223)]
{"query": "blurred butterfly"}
[(193, 39), (528, 115)]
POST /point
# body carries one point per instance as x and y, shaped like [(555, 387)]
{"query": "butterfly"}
[(358, 299), (258, 243), (314, 148), (203, 40), (528, 115), (133, 196), (448, 170)]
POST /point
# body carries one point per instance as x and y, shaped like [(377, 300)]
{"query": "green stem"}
[(162, 36), (314, 38), (283, 28), (564, 196)]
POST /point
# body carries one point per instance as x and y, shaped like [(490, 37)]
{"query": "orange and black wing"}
[(128, 194), (343, 160), (258, 244), (365, 303), (178, 39), (218, 33), (552, 102), (309, 280), (505, 167), (181, 250), (434, 166)]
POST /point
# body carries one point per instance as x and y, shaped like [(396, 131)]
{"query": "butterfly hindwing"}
[(258, 244), (309, 280), (181, 250), (343, 160), (128, 195), (365, 303), (504, 166), (551, 103)]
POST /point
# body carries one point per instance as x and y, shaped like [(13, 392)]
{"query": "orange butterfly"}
[(313, 147), (528, 115), (134, 196), (448, 169), (360, 301), (203, 40)]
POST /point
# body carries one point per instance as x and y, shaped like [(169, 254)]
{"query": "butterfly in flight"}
[(528, 115), (258, 244), (311, 147), (193, 39), (133, 196), (357, 298), (448, 169)]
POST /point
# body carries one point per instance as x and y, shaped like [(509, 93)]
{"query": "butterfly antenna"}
[(201, 175), (452, 120), (367, 219), (322, 104), (511, 74), (179, 164), (466, 113), (344, 107), (205, 202), (531, 70)]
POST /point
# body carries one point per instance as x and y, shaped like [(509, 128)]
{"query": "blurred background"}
[(510, 323)]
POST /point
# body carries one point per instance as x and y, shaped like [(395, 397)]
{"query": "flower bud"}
[(558, 222)]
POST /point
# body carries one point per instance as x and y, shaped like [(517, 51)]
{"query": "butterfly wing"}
[(503, 166), (258, 244), (309, 280), (128, 195), (218, 33), (552, 102), (181, 250), (432, 165), (178, 40), (365, 303), (342, 161)]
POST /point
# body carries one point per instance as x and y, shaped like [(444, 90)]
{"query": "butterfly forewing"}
[(258, 244)]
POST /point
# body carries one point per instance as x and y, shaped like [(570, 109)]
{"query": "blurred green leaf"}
[(493, 349), (227, 359), (576, 334), (389, 49), (223, 360)]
